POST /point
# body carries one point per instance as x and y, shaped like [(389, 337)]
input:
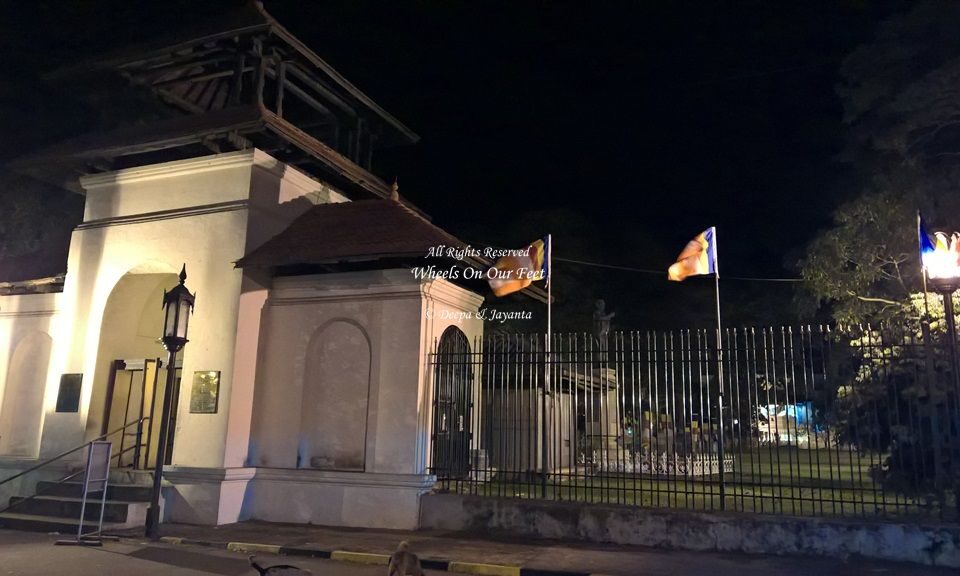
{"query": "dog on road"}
[(403, 562)]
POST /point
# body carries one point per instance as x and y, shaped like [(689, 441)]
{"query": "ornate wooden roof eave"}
[(157, 136), (60, 164), (254, 19), (314, 59), (49, 285), (336, 161), (151, 51)]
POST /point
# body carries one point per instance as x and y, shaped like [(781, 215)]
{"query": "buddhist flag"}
[(927, 243), (514, 272), (699, 257), (939, 255)]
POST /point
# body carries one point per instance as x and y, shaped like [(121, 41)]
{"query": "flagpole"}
[(923, 273), (548, 372), (716, 277), (549, 291)]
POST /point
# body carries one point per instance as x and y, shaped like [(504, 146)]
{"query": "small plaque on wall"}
[(205, 392), (68, 397)]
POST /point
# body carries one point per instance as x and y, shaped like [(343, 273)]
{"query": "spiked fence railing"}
[(809, 420)]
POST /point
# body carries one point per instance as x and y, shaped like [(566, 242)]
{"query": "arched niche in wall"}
[(336, 394), (22, 407)]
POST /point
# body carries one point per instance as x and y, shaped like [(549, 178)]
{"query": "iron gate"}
[(452, 406)]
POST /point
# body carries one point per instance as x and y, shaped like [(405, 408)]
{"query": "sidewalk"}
[(501, 555)]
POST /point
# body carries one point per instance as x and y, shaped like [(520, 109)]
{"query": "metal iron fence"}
[(795, 420)]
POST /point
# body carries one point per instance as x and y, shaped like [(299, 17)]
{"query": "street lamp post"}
[(946, 286), (941, 263), (177, 306)]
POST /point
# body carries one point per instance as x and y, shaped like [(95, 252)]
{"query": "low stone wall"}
[(684, 530), (217, 496)]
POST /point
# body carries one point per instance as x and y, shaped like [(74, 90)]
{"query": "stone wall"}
[(682, 530), (27, 327), (342, 405)]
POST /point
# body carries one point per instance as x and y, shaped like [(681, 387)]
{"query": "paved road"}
[(503, 549), (29, 554), (25, 554)]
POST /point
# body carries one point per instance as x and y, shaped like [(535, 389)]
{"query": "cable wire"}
[(655, 272), (663, 272)]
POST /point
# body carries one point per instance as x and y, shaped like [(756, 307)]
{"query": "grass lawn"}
[(764, 480)]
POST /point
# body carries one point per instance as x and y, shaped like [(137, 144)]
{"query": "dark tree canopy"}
[(901, 97)]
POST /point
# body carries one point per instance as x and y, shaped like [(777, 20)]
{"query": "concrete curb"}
[(250, 548), (374, 559), (360, 557)]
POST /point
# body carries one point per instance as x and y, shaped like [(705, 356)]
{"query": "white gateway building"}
[(304, 393)]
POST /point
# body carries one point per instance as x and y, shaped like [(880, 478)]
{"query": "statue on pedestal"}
[(601, 323)]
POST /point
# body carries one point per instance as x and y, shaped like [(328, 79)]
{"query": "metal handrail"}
[(124, 451), (135, 448), (41, 492), (70, 476), (71, 451)]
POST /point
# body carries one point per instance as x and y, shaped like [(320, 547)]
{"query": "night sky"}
[(623, 128), (656, 120)]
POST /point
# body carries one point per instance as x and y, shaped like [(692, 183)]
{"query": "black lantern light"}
[(177, 306)]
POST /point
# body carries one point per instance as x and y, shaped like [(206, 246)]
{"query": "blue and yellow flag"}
[(698, 257), (514, 272), (927, 243)]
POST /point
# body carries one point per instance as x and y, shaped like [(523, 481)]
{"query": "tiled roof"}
[(350, 231)]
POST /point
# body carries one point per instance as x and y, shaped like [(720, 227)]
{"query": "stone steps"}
[(37, 523), (65, 507), (56, 507), (115, 492)]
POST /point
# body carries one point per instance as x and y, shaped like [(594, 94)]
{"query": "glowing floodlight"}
[(941, 259)]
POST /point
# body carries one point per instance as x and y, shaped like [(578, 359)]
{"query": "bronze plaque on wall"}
[(205, 392)]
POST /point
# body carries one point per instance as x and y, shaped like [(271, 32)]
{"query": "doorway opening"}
[(130, 372), (135, 392)]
